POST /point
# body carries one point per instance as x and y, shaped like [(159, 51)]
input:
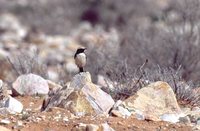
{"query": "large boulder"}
[(30, 84), (81, 96), (155, 102)]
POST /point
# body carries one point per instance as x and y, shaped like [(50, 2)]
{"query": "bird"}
[(80, 58)]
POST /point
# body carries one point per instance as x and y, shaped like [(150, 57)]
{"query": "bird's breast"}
[(80, 60)]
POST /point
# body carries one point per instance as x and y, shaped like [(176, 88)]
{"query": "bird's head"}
[(81, 50)]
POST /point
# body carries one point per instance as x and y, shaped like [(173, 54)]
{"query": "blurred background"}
[(126, 39)]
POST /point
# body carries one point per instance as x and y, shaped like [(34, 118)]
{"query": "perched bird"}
[(80, 58)]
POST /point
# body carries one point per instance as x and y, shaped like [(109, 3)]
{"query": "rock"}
[(65, 119), (154, 101), (58, 49), (9, 105), (1, 84), (55, 97), (139, 115), (184, 120), (53, 86), (2, 95), (94, 97), (173, 118), (19, 124), (78, 104), (92, 127), (117, 113), (80, 80), (30, 84), (12, 27), (196, 128), (118, 103), (198, 122), (196, 109), (186, 110), (13, 105), (79, 127), (3, 54), (106, 127), (5, 121), (121, 112), (4, 129), (82, 96), (194, 115)]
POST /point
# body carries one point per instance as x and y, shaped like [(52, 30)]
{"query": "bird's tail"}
[(81, 69)]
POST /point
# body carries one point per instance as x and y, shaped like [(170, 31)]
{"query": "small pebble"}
[(65, 119)]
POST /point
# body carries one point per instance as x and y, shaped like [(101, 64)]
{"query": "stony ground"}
[(36, 49), (59, 119)]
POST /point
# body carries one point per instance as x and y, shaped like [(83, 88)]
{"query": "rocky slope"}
[(32, 98)]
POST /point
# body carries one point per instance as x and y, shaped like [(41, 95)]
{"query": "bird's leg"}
[(81, 69)]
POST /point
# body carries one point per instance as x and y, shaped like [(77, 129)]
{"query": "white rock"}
[(173, 118), (13, 105), (118, 103), (92, 127), (184, 120), (125, 111), (65, 119), (5, 121), (53, 86), (139, 115), (1, 83), (14, 29), (196, 109), (198, 122), (19, 123), (30, 84), (106, 127), (3, 54)]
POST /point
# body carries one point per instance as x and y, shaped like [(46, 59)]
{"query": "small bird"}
[(80, 58)]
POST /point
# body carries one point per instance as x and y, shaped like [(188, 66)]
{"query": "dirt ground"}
[(58, 119)]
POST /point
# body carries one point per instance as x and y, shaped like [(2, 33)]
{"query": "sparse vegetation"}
[(130, 44), (172, 52), (28, 62)]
